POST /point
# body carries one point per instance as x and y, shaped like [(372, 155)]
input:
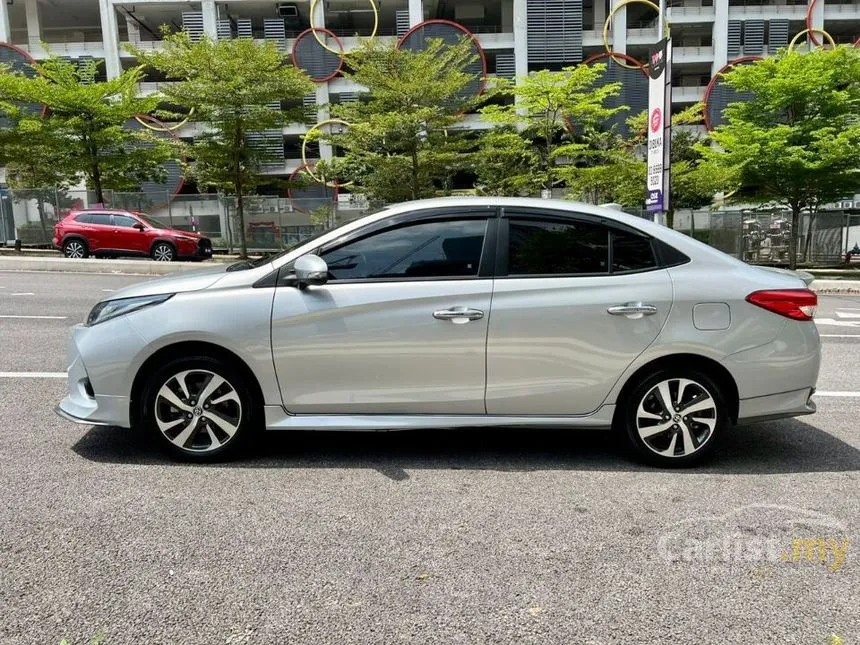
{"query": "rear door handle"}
[(632, 310), (458, 315)]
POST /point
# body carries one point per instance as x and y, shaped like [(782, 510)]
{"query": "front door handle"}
[(632, 310), (458, 315)]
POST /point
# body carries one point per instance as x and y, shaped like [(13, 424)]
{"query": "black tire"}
[(163, 252), (692, 430), (75, 248), (156, 413)]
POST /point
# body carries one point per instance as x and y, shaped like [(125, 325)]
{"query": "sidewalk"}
[(832, 284)]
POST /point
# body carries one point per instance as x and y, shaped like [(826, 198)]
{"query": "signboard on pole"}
[(659, 124)]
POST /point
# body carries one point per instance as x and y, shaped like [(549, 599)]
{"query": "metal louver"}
[(733, 39), (192, 24), (275, 29), (244, 28), (777, 35), (505, 64), (225, 31), (401, 21), (554, 31), (753, 37)]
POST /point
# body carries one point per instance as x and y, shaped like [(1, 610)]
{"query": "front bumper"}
[(99, 393)]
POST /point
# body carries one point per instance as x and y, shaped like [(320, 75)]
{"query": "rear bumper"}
[(777, 406)]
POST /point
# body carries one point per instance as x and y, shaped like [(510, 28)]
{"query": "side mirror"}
[(311, 270), (139, 226)]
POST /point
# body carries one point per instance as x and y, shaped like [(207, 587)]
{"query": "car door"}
[(100, 235), (128, 238), (401, 325), (575, 301)]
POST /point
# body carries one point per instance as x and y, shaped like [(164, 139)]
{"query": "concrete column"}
[(5, 30), (619, 29), (34, 28), (521, 41), (210, 19), (322, 88), (133, 30), (817, 19), (599, 14), (720, 35), (416, 12), (110, 38)]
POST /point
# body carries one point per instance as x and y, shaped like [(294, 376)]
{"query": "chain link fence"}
[(274, 222), (270, 222)]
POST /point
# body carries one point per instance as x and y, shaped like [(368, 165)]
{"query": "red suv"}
[(115, 232)]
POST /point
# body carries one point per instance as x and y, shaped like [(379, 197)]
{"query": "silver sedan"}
[(456, 312)]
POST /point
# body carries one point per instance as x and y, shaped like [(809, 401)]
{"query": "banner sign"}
[(659, 123)]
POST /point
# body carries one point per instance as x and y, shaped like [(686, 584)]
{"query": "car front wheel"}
[(163, 252), (199, 408), (675, 418)]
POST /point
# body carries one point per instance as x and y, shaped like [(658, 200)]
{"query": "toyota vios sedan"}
[(457, 312)]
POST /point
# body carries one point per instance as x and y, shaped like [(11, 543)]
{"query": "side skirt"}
[(279, 419)]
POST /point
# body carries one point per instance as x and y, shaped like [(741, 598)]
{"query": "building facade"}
[(513, 38)]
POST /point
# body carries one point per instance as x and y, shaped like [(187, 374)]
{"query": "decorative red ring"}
[(712, 82), (456, 25), (160, 124), (613, 55), (811, 33), (328, 33), (30, 59)]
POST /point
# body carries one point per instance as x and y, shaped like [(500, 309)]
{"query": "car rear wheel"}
[(674, 418), (163, 252), (75, 248), (199, 408)]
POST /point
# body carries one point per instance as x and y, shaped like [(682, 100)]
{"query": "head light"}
[(112, 308)]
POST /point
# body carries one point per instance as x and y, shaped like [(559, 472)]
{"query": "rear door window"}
[(102, 219), (555, 247)]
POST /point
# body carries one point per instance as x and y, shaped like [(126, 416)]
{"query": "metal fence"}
[(762, 237), (270, 222)]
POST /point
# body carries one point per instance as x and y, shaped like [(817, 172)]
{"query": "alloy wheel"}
[(676, 417), (163, 253), (198, 410), (74, 249)]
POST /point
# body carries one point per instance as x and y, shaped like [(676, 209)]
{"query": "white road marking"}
[(844, 313), (34, 317), (108, 290), (851, 394), (839, 335), (22, 293), (33, 375), (836, 323)]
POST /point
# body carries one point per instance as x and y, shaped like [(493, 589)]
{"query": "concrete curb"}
[(835, 286), (94, 265)]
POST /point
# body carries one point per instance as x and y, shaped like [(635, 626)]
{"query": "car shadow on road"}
[(786, 446)]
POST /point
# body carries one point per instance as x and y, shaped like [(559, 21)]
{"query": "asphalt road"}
[(454, 537)]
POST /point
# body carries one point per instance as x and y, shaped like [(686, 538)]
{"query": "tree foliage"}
[(230, 85), (84, 130), (403, 142), (795, 141), (554, 113)]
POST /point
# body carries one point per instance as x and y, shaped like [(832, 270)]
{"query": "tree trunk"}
[(808, 240), (97, 185), (240, 198), (792, 241), (670, 219), (40, 206), (415, 183)]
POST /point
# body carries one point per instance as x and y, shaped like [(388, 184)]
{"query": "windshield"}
[(154, 223)]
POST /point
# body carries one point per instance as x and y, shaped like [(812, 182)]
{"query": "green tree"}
[(505, 163), (230, 85), (88, 118), (403, 142), (37, 162), (795, 140), (544, 107)]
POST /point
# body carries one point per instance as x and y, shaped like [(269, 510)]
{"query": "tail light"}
[(797, 304)]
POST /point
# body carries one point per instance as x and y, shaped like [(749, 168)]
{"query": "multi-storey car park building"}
[(514, 38)]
